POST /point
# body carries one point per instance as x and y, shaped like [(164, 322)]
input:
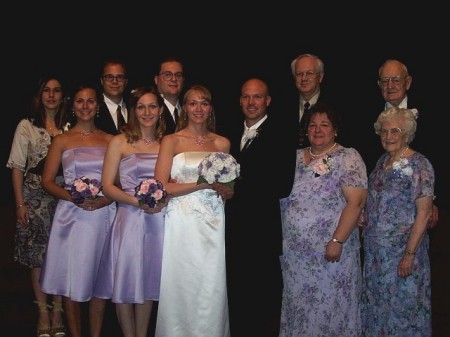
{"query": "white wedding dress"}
[(193, 298)]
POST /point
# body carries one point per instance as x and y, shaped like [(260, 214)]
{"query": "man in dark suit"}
[(112, 112), (169, 81), (253, 224), (308, 71)]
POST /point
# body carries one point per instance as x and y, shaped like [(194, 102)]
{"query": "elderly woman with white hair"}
[(396, 273)]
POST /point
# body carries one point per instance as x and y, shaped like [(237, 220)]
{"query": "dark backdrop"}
[(221, 48)]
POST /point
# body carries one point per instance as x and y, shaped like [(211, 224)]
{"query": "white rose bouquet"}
[(218, 167)]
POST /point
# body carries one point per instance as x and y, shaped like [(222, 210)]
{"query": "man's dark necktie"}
[(302, 138), (175, 113), (120, 119)]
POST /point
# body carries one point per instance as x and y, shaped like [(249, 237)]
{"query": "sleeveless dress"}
[(77, 236), (193, 299), (130, 269)]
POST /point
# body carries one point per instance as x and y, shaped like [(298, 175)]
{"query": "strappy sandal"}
[(58, 330), (43, 330)]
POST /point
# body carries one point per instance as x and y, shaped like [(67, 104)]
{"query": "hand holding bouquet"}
[(85, 188), (150, 192)]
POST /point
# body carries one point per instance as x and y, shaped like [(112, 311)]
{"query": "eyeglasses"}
[(110, 78), (167, 75), (395, 132), (306, 75), (384, 81)]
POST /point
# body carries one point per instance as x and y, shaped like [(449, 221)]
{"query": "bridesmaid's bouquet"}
[(85, 188), (151, 192), (218, 167)]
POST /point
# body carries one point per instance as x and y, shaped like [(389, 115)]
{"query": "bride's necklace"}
[(147, 141), (199, 140), (322, 153)]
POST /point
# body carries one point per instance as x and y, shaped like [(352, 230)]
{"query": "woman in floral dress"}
[(34, 207), (396, 297), (321, 248)]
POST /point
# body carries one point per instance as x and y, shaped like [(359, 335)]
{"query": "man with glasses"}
[(112, 112), (169, 81), (308, 72)]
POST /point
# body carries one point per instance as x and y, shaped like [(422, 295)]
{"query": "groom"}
[(253, 226)]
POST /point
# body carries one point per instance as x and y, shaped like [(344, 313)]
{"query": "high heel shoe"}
[(43, 330), (58, 330)]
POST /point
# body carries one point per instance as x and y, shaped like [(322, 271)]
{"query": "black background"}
[(223, 47)]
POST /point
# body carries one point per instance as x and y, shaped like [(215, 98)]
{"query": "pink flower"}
[(322, 166)]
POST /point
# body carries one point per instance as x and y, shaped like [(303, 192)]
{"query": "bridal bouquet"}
[(218, 167), (85, 188), (151, 192)]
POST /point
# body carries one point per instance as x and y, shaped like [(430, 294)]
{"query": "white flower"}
[(408, 171), (402, 166), (66, 127), (249, 134)]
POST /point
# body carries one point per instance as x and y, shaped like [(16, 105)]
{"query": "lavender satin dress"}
[(77, 236), (130, 270)]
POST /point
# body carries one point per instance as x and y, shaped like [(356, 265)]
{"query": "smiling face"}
[(394, 82), (254, 101), (148, 110), (321, 132), (392, 135), (114, 81), (197, 107), (307, 76), (170, 80), (85, 104)]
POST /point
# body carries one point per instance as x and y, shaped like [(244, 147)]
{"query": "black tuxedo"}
[(104, 121), (170, 123), (253, 225)]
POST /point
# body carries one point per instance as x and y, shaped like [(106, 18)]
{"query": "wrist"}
[(20, 205), (337, 241), (408, 252)]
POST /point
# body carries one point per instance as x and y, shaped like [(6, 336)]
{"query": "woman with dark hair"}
[(35, 207), (321, 247), (83, 216)]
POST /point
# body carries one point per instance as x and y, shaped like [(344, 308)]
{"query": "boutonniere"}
[(250, 134)]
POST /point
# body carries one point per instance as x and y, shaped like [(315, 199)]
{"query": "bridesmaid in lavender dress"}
[(130, 270), (79, 230)]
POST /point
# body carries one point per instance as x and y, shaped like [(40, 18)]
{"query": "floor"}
[(18, 314)]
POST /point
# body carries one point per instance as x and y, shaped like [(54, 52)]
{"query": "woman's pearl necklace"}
[(386, 165), (322, 153)]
